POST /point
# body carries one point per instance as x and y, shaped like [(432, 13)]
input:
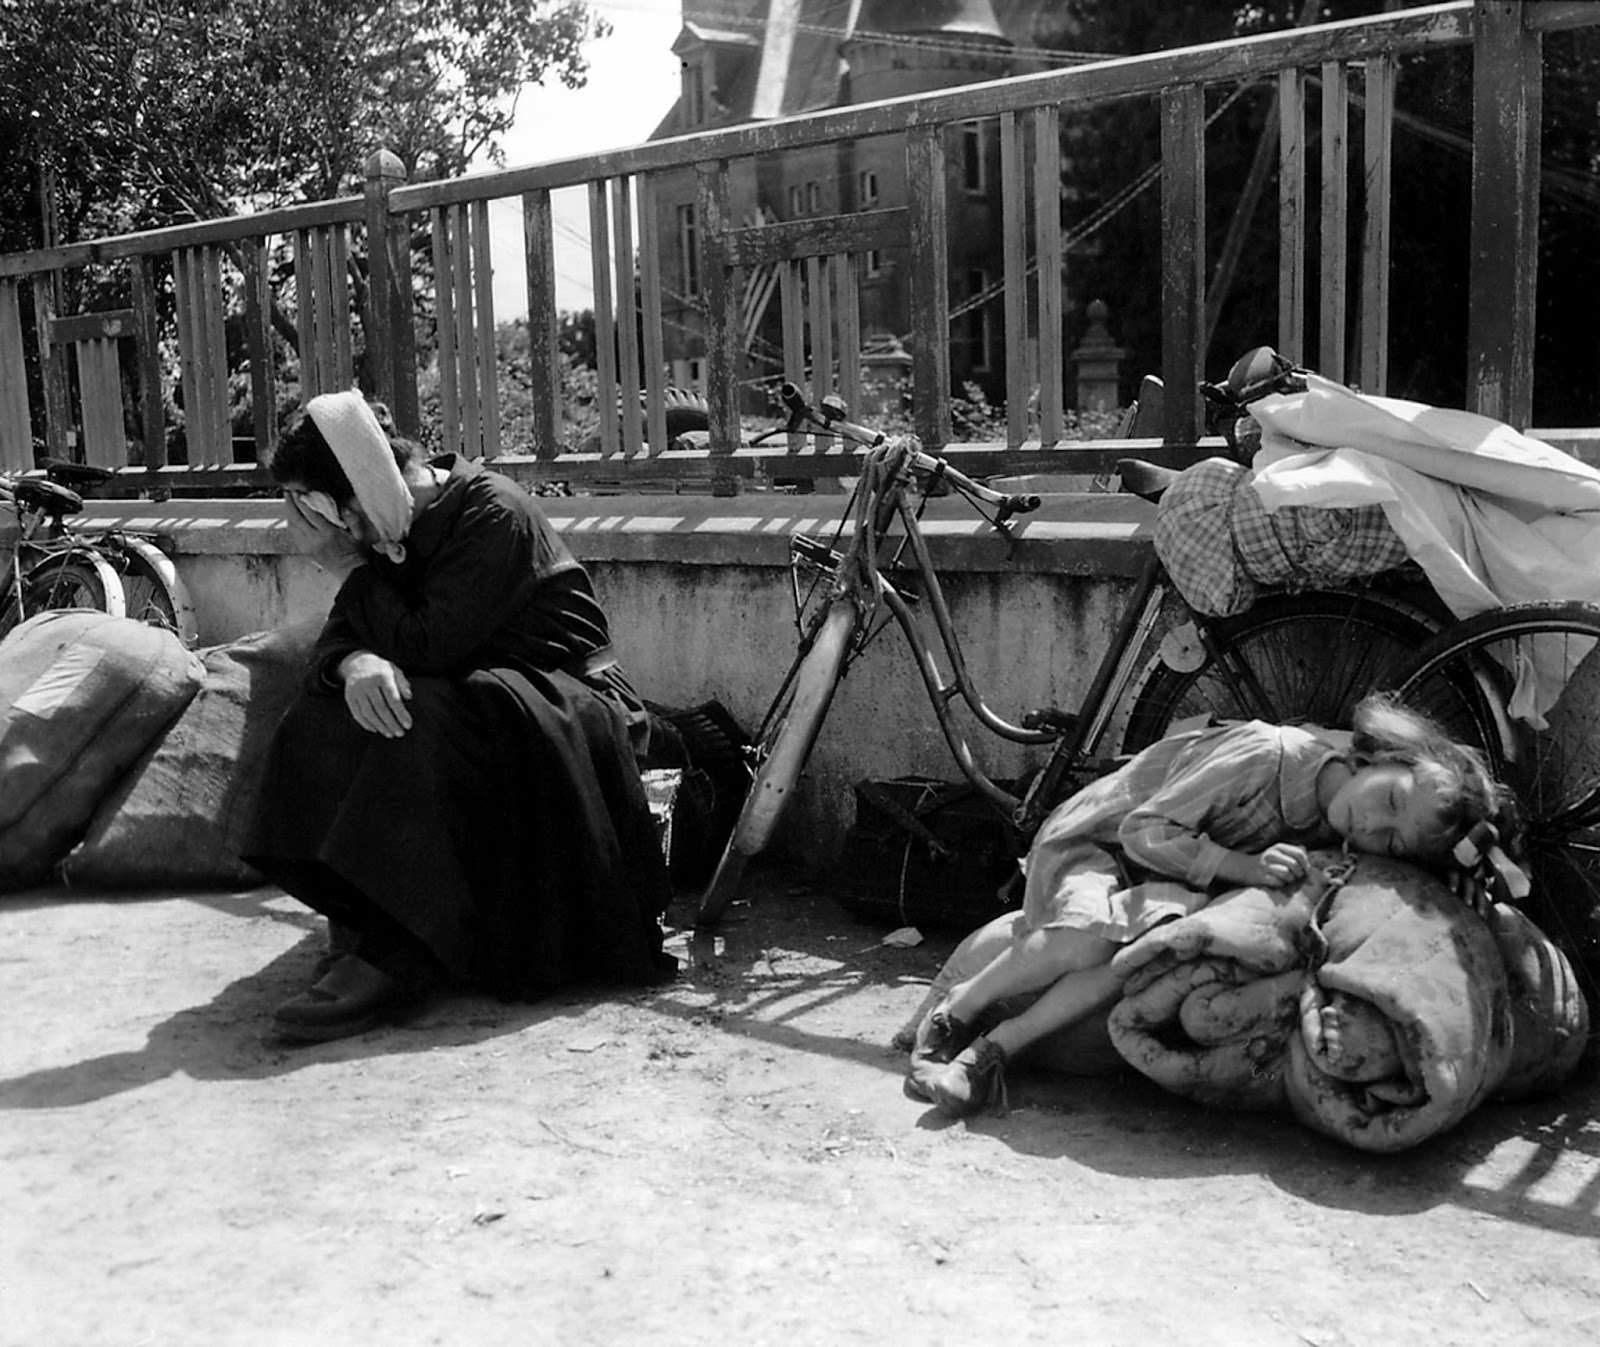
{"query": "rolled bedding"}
[(1210, 1000), (1379, 1010), (1406, 1023)]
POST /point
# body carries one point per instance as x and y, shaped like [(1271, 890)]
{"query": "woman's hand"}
[(330, 546), (376, 690)]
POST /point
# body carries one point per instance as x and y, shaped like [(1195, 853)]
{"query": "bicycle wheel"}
[(1473, 679), (153, 590), (787, 736), (78, 579), (1303, 658)]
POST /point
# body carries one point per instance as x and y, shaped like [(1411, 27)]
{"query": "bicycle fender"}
[(166, 572), (813, 694), (105, 572)]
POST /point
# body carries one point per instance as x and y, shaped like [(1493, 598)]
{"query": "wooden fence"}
[(96, 385)]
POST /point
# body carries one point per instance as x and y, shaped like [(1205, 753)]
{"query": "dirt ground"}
[(729, 1158)]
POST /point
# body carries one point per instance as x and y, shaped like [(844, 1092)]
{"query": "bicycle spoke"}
[(1523, 685)]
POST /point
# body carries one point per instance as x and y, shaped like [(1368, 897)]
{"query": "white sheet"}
[(1491, 515)]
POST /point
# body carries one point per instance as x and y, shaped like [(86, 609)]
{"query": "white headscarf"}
[(352, 431)]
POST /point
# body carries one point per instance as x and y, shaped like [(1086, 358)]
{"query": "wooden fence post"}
[(722, 323), (930, 285), (1507, 80), (1183, 239), (391, 344)]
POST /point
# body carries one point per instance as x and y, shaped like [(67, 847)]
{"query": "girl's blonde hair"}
[(1386, 730)]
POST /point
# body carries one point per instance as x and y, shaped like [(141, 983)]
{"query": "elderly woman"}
[(456, 787)]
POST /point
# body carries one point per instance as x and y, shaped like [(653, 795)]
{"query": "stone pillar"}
[(885, 377), (1099, 362)]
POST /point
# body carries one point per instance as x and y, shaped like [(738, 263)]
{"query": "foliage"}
[(148, 112), (578, 417)]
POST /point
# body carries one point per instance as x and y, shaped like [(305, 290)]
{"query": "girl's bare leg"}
[(1073, 997), (1030, 963)]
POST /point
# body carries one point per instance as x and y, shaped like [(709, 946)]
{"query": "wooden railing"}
[(221, 272)]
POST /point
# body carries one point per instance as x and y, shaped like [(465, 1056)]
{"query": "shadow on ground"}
[(790, 969)]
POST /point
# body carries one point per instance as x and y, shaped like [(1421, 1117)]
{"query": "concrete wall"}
[(698, 593)]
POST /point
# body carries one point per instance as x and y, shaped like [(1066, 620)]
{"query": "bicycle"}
[(1306, 657), (1474, 679), (52, 565)]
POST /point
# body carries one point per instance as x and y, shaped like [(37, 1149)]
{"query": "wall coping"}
[(1086, 533)]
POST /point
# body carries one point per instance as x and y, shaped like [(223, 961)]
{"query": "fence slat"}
[(1291, 213), (483, 308), (339, 302), (1508, 97), (819, 309), (1013, 246), (183, 287), (846, 272), (147, 358), (605, 326), (466, 335), (305, 318), (444, 317), (791, 295), (1333, 245), (322, 305), (1377, 138), (215, 354), (1183, 219), (627, 331), (257, 295), (1047, 246), (655, 360), (16, 432), (544, 351), (930, 285), (721, 309), (105, 442), (52, 369)]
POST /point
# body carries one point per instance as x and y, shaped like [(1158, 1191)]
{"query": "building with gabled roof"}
[(758, 60)]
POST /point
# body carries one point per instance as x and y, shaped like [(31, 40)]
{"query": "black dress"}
[(507, 831)]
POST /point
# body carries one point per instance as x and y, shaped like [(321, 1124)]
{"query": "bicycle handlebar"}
[(802, 414)]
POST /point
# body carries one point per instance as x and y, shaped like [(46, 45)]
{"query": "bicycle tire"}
[(66, 580), (1298, 648), (789, 732), (154, 592), (1464, 679)]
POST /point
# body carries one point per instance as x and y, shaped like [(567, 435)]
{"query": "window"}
[(974, 165), (797, 201), (872, 264), (689, 251), (867, 187), (814, 198), (693, 87), (979, 323)]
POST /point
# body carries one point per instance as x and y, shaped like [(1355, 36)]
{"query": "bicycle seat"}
[(1147, 480), (51, 497), (78, 475)]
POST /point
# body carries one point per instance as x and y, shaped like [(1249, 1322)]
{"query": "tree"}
[(130, 114)]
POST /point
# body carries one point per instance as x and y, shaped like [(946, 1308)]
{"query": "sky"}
[(633, 82)]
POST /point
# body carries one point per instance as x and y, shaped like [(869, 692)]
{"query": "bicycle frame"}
[(858, 579), (1238, 655)]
